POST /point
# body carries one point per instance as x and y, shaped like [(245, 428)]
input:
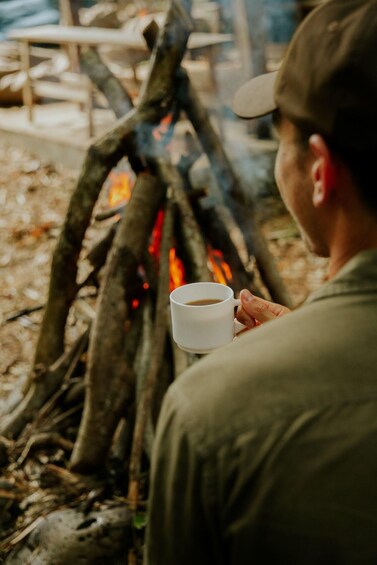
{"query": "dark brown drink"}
[(204, 302)]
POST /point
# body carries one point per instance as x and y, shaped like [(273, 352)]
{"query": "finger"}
[(260, 309), (243, 317)]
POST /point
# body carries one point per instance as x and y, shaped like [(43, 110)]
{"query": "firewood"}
[(106, 82), (192, 237), (110, 213), (110, 377), (218, 235), (45, 384), (158, 343), (43, 440), (98, 253)]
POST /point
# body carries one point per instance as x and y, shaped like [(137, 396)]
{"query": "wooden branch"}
[(191, 232), (110, 377), (23, 312), (145, 350), (110, 213), (160, 328), (172, 38), (217, 234), (98, 253), (42, 388), (44, 440), (106, 82)]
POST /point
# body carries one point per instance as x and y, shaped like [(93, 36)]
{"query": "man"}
[(266, 451)]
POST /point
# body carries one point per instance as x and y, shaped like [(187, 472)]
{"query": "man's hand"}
[(255, 311)]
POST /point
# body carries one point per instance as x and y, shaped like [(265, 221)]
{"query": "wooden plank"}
[(79, 35), (61, 91)]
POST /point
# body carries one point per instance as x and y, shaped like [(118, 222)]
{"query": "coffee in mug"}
[(204, 302)]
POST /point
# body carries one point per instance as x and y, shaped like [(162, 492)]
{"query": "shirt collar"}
[(358, 274)]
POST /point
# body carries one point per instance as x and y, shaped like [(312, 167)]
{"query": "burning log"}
[(192, 236), (159, 337), (216, 231)]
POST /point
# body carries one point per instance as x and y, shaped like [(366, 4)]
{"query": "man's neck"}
[(347, 244)]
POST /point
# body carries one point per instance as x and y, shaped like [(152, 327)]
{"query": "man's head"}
[(328, 80), (325, 97)]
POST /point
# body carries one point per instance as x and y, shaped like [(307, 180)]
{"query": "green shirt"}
[(266, 450)]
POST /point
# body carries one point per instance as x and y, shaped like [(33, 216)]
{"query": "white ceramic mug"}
[(199, 327)]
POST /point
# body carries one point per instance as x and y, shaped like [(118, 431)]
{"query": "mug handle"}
[(237, 326)]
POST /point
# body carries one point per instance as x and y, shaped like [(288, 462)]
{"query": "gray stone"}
[(70, 537)]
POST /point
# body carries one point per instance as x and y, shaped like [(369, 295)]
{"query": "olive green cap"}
[(328, 80)]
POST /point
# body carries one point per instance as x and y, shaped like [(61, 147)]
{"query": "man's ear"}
[(323, 171)]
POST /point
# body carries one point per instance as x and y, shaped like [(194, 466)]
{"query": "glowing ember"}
[(219, 268), (163, 127), (120, 187)]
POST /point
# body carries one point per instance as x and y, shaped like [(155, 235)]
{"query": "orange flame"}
[(176, 267), (155, 242), (163, 127), (176, 270), (121, 185), (219, 268)]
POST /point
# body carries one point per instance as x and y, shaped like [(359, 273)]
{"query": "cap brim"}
[(256, 97)]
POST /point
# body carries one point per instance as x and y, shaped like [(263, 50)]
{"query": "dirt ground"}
[(33, 201)]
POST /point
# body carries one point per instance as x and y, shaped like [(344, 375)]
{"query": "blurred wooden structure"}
[(77, 87)]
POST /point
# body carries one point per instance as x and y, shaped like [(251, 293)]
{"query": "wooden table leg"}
[(27, 91), (89, 106)]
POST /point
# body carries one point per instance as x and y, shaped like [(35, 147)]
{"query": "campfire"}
[(119, 186), (159, 232)]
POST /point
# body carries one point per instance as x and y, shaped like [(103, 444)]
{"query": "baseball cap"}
[(328, 79)]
